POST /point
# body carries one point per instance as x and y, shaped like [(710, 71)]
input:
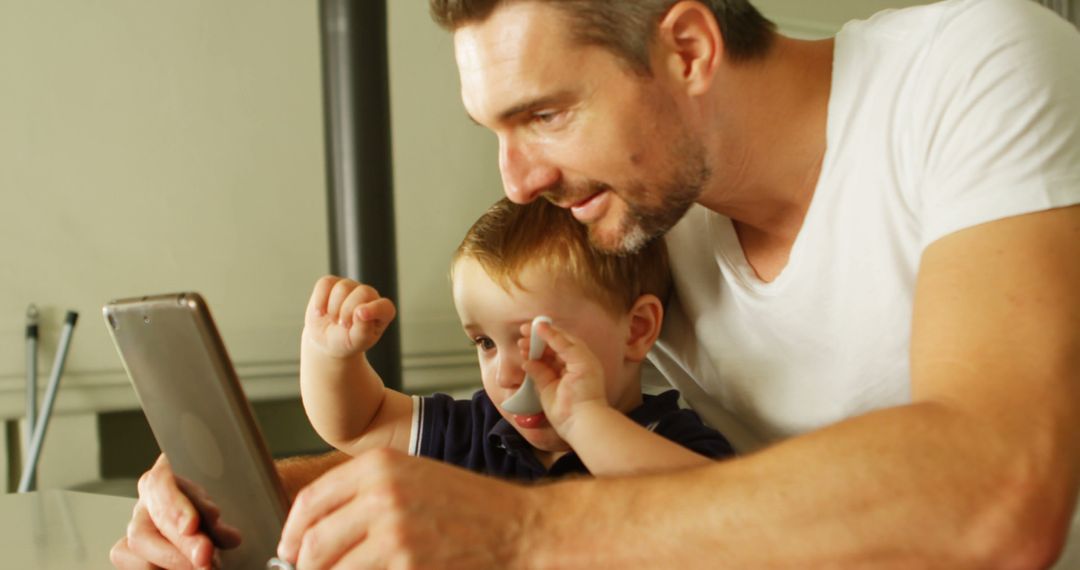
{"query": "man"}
[(876, 293)]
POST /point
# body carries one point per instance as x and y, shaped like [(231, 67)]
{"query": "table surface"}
[(61, 529)]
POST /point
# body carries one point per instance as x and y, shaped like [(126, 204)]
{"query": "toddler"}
[(515, 263)]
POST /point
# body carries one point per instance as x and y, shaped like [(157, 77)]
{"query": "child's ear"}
[(646, 318)]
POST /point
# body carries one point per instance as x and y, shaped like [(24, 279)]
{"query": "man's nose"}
[(524, 174)]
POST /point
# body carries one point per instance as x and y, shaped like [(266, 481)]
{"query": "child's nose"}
[(510, 374)]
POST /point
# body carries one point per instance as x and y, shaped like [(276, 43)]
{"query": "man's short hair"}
[(626, 27), (510, 237)]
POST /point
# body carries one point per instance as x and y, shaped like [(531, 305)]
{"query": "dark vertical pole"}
[(356, 101)]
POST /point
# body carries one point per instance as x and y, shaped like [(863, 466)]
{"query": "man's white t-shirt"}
[(941, 117)]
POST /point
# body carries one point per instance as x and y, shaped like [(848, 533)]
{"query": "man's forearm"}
[(913, 486), (297, 472)]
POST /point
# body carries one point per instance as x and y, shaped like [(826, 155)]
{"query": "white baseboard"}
[(82, 395), (109, 390)]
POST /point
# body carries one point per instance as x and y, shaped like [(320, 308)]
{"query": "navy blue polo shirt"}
[(472, 434)]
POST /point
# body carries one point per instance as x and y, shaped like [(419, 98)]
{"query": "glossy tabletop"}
[(55, 529)]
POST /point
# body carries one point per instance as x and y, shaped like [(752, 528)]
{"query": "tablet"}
[(200, 417)]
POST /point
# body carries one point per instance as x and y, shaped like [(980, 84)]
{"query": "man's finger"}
[(165, 513), (223, 535), (172, 513), (145, 543), (317, 500), (334, 536), (199, 498), (226, 536), (364, 555), (123, 558)]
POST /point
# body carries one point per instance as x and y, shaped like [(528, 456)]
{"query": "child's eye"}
[(484, 343)]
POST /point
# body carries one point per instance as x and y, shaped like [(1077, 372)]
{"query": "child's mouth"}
[(531, 422)]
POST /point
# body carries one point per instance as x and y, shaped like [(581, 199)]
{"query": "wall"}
[(820, 19), (163, 146), (154, 147), (445, 176)]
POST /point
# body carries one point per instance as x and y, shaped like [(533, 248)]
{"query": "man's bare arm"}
[(297, 472), (981, 469)]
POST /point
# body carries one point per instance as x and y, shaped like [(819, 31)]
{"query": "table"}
[(56, 529)]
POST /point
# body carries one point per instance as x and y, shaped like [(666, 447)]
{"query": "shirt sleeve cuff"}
[(417, 426)]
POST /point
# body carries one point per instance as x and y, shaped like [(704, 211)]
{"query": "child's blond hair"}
[(510, 237)]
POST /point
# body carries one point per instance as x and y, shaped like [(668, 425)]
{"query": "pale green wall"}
[(809, 18), (153, 147), (445, 175), (159, 146)]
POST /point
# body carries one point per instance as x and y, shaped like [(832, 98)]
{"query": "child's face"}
[(492, 318)]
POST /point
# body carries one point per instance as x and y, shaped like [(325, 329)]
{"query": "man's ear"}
[(646, 318), (690, 46)]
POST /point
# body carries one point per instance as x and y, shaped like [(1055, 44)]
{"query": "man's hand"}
[(386, 509), (164, 529), (569, 377), (345, 318)]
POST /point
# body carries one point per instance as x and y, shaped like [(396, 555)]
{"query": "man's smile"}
[(591, 208)]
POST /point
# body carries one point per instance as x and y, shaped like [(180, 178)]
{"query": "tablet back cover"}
[(200, 417)]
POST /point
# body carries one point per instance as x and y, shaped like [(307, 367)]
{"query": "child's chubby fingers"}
[(370, 321), (549, 357), (320, 294), (380, 312), (561, 343), (357, 296), (541, 373), (339, 293), (570, 353)]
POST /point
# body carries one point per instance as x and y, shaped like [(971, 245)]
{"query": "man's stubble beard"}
[(645, 222)]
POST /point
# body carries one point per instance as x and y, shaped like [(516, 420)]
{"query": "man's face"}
[(577, 127)]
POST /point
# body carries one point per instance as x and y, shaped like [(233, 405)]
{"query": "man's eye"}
[(484, 343), (546, 117)]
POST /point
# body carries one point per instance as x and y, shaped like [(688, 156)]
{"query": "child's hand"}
[(569, 377), (345, 318)]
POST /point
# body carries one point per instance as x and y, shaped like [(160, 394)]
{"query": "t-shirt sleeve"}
[(1002, 130), (449, 430)]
